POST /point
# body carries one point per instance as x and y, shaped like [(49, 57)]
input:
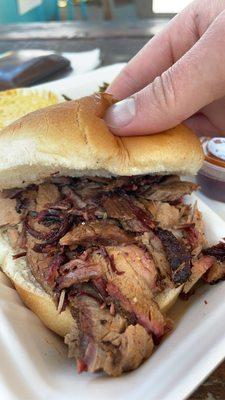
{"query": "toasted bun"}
[(71, 138), (34, 296)]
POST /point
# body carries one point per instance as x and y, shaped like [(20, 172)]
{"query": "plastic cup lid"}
[(216, 147)]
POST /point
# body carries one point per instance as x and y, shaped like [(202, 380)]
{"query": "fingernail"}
[(120, 114)]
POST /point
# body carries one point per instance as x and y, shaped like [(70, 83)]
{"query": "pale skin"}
[(179, 75)]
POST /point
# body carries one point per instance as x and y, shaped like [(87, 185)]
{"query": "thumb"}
[(194, 81)]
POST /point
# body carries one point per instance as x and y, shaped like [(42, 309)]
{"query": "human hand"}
[(179, 75)]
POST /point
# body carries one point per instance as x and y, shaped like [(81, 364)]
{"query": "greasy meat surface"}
[(155, 247), (170, 189), (216, 273), (217, 251), (39, 264), (103, 341), (132, 287), (132, 216), (177, 254), (47, 194), (79, 275), (96, 233), (199, 268), (107, 248), (8, 214), (166, 214)]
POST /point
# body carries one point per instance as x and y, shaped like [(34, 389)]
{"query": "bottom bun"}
[(31, 292), (46, 310), (35, 298), (168, 298)]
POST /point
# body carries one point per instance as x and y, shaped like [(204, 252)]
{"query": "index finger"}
[(157, 55)]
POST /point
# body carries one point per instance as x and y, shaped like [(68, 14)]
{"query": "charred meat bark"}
[(177, 254), (217, 272), (217, 251), (96, 233), (170, 189)]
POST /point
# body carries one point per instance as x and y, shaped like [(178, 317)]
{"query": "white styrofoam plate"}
[(34, 363)]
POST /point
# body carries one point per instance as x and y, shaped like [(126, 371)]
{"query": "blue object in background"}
[(47, 11)]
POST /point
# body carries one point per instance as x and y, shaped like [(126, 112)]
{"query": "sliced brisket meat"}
[(143, 216), (103, 342), (153, 321), (74, 198), (111, 184), (11, 193), (198, 269), (96, 233), (26, 200), (108, 247), (132, 216), (40, 264), (92, 186), (195, 231), (53, 269), (116, 207), (130, 260), (47, 194), (79, 275), (156, 249), (52, 235), (87, 189), (167, 215), (49, 217), (169, 190), (216, 273), (74, 263), (178, 256), (136, 346), (133, 291), (14, 237), (217, 251), (62, 180), (8, 213), (89, 289)]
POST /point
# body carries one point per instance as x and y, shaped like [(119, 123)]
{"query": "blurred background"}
[(19, 11), (117, 28)]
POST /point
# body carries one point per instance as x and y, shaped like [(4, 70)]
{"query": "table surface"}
[(118, 43)]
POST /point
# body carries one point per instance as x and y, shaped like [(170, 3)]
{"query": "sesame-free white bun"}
[(71, 138), (35, 298), (31, 292)]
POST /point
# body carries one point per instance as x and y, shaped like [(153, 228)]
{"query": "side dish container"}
[(211, 177)]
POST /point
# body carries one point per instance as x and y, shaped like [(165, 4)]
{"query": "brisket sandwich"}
[(95, 233)]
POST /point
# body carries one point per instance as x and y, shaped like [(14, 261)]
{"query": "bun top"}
[(71, 138)]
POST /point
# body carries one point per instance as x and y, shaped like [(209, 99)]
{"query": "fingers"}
[(157, 55), (165, 48), (194, 81)]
